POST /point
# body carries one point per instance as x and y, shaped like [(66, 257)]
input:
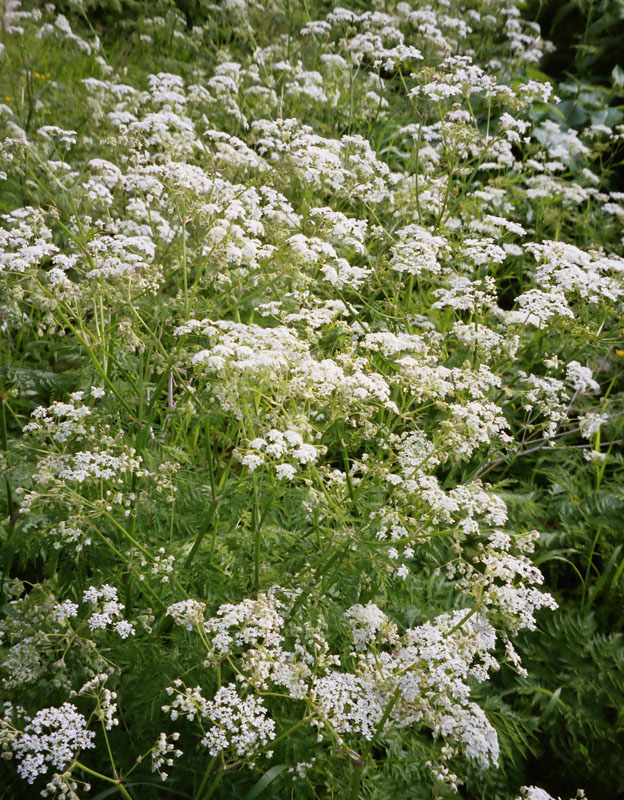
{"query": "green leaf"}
[(607, 116), (264, 781), (563, 12), (551, 704), (574, 113), (535, 74), (617, 73)]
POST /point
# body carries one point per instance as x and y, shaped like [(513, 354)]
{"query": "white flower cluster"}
[(423, 681), (418, 251), (391, 344), (164, 753), (106, 699), (253, 621), (348, 166), (241, 724), (313, 316), (419, 678), (26, 242), (52, 738), (28, 634), (89, 465), (187, 613), (567, 268), (505, 582), (249, 356), (69, 532), (62, 28), (590, 423), (538, 307), (310, 250), (369, 624), (282, 448), (60, 421), (466, 294), (535, 793), (109, 611), (65, 610), (243, 349), (123, 256), (349, 231), (581, 378), (256, 628), (486, 341), (471, 425), (161, 565)]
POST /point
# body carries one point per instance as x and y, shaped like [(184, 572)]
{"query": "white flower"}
[(51, 739), (187, 613), (65, 610), (109, 611), (164, 753), (251, 460), (402, 572), (285, 471), (369, 623), (239, 723), (590, 423), (533, 793), (581, 378)]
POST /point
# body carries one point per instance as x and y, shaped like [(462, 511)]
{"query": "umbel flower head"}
[(53, 738)]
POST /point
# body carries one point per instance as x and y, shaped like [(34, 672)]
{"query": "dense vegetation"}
[(311, 400)]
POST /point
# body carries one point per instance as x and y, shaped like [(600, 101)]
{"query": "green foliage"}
[(591, 30)]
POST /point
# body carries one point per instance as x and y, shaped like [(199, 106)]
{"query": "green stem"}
[(356, 780), (185, 270), (200, 536), (205, 777), (215, 785), (109, 751), (115, 781), (99, 368), (214, 501), (257, 537), (345, 459), (358, 766), (3, 425)]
